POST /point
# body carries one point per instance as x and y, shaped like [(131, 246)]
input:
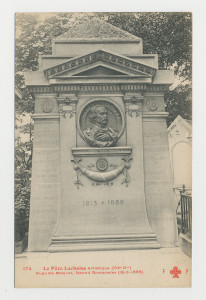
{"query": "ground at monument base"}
[(166, 267)]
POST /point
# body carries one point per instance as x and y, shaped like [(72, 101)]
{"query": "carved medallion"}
[(152, 104), (47, 105), (101, 123), (102, 164)]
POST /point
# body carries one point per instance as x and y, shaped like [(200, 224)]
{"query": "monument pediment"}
[(96, 69), (100, 63), (100, 70)]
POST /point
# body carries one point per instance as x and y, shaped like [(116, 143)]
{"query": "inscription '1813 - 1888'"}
[(102, 203)]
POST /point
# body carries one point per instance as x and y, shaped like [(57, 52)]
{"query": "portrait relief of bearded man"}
[(99, 135)]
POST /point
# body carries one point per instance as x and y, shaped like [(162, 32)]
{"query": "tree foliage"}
[(167, 34), (170, 36), (23, 163)]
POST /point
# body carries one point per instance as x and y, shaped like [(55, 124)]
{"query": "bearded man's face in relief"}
[(99, 135), (101, 117)]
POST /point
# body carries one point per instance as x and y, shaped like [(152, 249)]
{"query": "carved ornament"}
[(105, 176), (67, 105), (47, 105), (78, 182), (102, 164), (133, 104), (67, 109), (67, 99), (152, 104), (133, 109)]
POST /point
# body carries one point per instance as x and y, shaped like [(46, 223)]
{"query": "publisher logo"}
[(175, 272)]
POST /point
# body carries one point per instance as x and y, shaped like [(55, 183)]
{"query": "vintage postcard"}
[(103, 149)]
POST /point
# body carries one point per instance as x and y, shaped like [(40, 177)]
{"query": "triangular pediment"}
[(100, 63), (100, 71)]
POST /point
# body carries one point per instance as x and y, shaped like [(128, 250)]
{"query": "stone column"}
[(67, 133), (157, 170), (133, 103), (45, 174)]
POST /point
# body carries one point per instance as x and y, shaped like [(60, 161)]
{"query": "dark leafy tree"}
[(167, 34), (23, 163), (178, 102)]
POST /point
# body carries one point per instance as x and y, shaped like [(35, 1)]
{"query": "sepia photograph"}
[(103, 149)]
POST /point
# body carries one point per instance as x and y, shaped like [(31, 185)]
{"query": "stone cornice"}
[(100, 80), (45, 117), (101, 151), (97, 40), (155, 115), (99, 88), (100, 55)]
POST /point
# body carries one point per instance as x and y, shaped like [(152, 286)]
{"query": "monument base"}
[(103, 242)]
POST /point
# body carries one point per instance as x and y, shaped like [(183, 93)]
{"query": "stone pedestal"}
[(102, 214), (45, 188)]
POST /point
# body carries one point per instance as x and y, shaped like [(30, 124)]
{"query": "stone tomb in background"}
[(101, 175)]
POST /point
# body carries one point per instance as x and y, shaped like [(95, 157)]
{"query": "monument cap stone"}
[(95, 34), (95, 29)]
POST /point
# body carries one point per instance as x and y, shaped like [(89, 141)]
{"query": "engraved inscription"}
[(155, 133), (46, 134), (46, 165), (110, 183), (102, 203)]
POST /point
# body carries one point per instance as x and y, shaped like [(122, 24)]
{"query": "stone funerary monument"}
[(101, 175)]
